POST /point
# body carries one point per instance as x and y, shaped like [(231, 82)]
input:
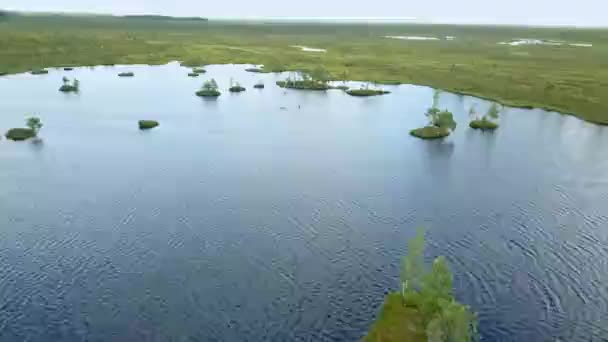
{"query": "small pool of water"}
[(283, 215)]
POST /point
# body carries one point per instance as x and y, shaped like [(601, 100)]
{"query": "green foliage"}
[(256, 70), (430, 132), (483, 124), (573, 78), (209, 89), (303, 84), (445, 119), (199, 70), (68, 87), (493, 112), (18, 134), (259, 85), (320, 74), (147, 124), (126, 74), (367, 92), (193, 74), (427, 294), (39, 72), (34, 123)]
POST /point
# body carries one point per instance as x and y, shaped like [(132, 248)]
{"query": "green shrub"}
[(147, 124), (425, 308), (483, 124), (209, 89), (199, 70), (303, 85), (126, 74), (430, 132), (68, 87), (367, 92), (259, 85), (39, 72), (18, 134), (2, 73), (236, 89), (257, 70)]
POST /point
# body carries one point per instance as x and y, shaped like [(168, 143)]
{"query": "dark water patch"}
[(236, 220)]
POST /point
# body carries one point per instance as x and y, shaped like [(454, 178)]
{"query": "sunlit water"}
[(236, 220)]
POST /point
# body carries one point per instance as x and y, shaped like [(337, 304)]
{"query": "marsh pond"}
[(282, 215)]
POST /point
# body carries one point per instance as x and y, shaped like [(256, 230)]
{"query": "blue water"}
[(239, 220)]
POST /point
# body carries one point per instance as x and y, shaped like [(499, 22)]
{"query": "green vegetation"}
[(68, 87), (39, 72), (2, 73), (367, 92), (441, 123), (425, 308), (18, 134), (147, 124), (483, 124), (235, 87), (193, 74), (33, 127), (573, 78), (34, 123), (430, 132), (126, 74), (259, 85), (199, 70), (209, 89), (303, 84), (486, 122)]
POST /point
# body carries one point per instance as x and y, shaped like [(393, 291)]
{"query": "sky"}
[(519, 12)]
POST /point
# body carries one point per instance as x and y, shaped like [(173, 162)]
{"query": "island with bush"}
[(424, 309), (39, 72), (193, 74), (259, 85), (441, 122), (33, 124), (209, 89), (235, 87), (487, 122), (126, 74), (147, 124), (316, 79), (70, 87), (199, 70), (364, 92)]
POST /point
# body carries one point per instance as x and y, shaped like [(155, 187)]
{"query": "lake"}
[(239, 220)]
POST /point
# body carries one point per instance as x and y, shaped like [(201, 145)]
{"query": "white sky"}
[(527, 12)]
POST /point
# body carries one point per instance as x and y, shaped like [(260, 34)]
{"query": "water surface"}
[(239, 220)]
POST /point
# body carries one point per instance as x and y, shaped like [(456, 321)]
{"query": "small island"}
[(256, 70), (235, 87), (425, 308), (441, 122), (366, 92), (430, 132), (147, 124), (126, 74), (199, 70), (259, 85), (33, 124), (68, 87), (68, 69), (314, 80), (39, 72), (486, 122), (193, 74), (209, 89)]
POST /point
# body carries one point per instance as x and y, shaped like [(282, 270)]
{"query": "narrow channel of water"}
[(282, 215)]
